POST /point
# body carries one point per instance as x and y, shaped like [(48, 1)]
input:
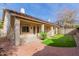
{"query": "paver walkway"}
[(39, 49), (29, 49)]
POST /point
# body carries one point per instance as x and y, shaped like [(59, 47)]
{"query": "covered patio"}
[(22, 28)]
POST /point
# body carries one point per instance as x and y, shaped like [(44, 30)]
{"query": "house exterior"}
[(20, 27)]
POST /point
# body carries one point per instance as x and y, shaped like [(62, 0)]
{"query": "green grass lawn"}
[(60, 40)]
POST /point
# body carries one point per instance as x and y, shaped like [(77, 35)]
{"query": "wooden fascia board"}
[(30, 19)]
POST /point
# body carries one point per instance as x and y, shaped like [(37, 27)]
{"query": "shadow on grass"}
[(61, 41)]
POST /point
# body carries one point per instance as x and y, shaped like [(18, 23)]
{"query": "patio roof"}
[(25, 16)]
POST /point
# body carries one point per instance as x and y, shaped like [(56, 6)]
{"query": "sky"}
[(42, 11)]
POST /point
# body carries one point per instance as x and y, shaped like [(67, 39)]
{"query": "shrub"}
[(43, 35), (1, 24)]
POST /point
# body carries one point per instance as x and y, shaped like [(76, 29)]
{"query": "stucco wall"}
[(66, 30)]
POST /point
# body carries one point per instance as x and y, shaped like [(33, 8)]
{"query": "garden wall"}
[(66, 30)]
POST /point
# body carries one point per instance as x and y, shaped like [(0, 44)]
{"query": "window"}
[(25, 29)]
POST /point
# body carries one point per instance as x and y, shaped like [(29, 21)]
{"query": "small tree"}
[(66, 18), (1, 26)]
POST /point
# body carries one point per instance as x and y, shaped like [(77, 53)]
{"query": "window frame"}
[(26, 29)]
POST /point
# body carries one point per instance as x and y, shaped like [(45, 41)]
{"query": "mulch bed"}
[(6, 47)]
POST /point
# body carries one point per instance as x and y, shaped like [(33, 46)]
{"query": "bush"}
[(1, 24), (43, 35)]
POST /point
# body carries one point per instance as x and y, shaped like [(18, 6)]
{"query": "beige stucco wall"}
[(66, 30)]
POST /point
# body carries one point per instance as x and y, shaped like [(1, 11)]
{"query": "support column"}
[(52, 31), (56, 31), (17, 31), (6, 23), (42, 28)]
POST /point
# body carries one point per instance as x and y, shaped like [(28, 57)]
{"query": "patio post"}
[(56, 31), (52, 31), (42, 28), (17, 31)]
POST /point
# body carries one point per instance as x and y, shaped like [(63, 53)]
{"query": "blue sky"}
[(40, 10)]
